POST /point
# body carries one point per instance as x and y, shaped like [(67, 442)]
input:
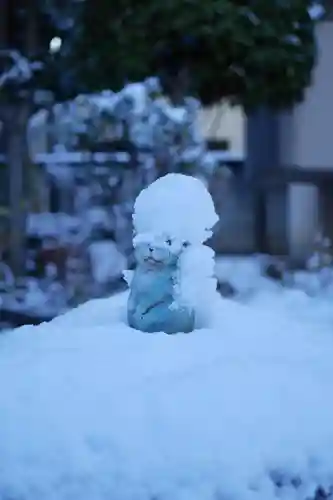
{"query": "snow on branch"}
[(141, 114), (317, 11), (16, 68)]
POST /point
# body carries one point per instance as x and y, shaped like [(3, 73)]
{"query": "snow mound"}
[(93, 410), (177, 205)]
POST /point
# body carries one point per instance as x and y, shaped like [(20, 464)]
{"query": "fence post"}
[(262, 153), (17, 162)]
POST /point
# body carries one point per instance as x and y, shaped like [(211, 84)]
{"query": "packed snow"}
[(92, 409), (176, 204)]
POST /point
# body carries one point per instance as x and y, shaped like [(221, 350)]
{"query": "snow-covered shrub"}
[(139, 115), (145, 135)]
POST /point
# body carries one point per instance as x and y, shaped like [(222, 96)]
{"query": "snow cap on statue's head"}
[(176, 205)]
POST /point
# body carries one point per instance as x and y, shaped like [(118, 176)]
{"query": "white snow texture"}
[(93, 410), (177, 205)]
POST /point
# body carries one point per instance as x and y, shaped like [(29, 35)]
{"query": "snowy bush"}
[(124, 140), (138, 115)]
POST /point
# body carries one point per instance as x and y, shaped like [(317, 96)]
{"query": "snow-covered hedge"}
[(138, 114)]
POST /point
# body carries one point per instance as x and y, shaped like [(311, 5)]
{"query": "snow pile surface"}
[(92, 410)]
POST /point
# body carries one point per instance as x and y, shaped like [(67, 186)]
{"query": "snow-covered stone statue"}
[(173, 284), (152, 304)]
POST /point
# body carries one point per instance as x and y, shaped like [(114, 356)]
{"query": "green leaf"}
[(127, 39)]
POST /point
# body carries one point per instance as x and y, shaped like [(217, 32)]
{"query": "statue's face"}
[(157, 251)]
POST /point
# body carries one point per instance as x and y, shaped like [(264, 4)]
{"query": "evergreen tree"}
[(258, 52)]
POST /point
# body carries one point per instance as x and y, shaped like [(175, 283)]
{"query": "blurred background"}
[(98, 98)]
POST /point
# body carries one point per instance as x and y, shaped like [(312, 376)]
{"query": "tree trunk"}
[(17, 156), (263, 153), (3, 23), (17, 162), (260, 221)]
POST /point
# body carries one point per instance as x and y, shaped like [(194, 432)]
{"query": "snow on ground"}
[(303, 297), (93, 410)]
